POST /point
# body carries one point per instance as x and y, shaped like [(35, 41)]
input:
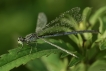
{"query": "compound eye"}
[(20, 38)]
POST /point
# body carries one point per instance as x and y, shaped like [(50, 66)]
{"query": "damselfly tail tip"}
[(100, 32), (96, 31)]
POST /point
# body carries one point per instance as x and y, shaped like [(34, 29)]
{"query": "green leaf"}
[(96, 15), (64, 55), (54, 63), (102, 40), (101, 26), (36, 64), (80, 42), (63, 49), (74, 38), (85, 15), (73, 62), (14, 59), (101, 55), (54, 29), (102, 45), (99, 65), (79, 67), (73, 22)]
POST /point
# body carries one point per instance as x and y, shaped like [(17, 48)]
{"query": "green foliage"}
[(15, 58), (89, 48)]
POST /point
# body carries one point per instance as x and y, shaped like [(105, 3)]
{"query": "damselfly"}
[(41, 24)]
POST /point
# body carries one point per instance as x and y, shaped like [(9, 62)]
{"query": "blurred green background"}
[(18, 17)]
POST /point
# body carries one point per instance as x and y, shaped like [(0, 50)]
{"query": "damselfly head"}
[(21, 40)]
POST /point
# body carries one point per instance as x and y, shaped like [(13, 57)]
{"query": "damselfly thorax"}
[(32, 37)]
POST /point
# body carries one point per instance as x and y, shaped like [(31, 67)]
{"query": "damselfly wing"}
[(41, 22)]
